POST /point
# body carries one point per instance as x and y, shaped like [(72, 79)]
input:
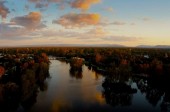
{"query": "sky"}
[(124, 22)]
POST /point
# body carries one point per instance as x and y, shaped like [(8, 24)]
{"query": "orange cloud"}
[(79, 4), (83, 4), (34, 16), (31, 21), (78, 20), (3, 10)]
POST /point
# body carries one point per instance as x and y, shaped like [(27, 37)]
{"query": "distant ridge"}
[(68, 45), (162, 46), (145, 46), (87, 45), (149, 46)]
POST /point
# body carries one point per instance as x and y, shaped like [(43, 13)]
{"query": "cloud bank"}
[(31, 21), (78, 20)]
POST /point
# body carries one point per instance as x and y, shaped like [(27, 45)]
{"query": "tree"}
[(2, 71)]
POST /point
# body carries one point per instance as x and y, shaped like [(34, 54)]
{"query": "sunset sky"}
[(125, 22)]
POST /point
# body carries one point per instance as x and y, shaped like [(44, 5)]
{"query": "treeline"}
[(21, 76), (136, 60)]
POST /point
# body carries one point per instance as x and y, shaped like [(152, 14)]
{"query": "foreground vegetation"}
[(21, 76)]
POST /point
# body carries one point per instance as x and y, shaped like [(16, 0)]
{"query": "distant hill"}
[(145, 46), (149, 46), (68, 45), (162, 46), (87, 45), (105, 45)]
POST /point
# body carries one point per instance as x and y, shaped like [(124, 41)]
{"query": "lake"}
[(66, 92)]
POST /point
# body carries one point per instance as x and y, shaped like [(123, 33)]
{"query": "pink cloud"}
[(78, 20), (31, 21)]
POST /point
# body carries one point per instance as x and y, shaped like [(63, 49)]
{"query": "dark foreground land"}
[(24, 70)]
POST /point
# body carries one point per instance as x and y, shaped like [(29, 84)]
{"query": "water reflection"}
[(14, 100), (76, 67), (153, 94), (27, 104), (21, 94), (156, 90), (76, 73), (65, 93), (165, 105), (117, 91), (93, 92), (61, 106)]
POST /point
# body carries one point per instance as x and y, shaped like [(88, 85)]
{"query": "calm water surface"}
[(67, 92)]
